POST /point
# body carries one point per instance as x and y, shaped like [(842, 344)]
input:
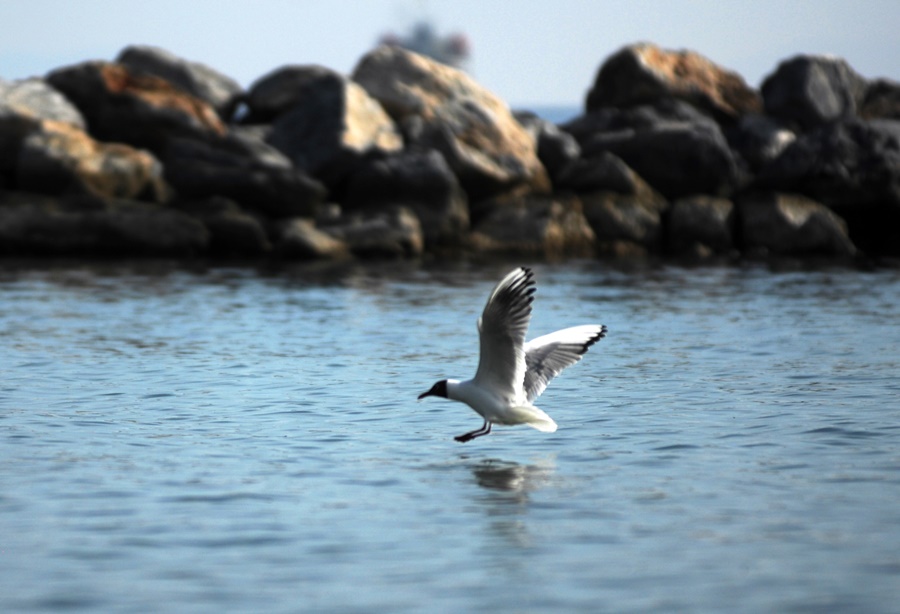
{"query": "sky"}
[(529, 52)]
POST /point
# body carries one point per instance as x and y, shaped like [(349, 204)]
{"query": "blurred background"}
[(532, 53)]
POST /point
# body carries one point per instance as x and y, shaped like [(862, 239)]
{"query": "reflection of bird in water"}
[(512, 477), (508, 485), (500, 476)]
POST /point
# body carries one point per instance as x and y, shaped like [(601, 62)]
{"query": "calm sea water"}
[(231, 439)]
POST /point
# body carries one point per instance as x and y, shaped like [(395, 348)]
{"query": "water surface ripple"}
[(230, 439)]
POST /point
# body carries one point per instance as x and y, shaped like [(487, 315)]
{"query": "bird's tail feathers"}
[(535, 418)]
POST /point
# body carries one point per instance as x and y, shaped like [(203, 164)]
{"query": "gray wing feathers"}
[(547, 356), (502, 329)]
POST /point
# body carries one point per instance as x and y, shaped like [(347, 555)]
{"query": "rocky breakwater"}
[(151, 154)]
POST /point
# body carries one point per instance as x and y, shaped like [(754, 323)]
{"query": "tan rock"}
[(139, 109), (302, 240), (644, 73), (59, 158), (443, 108), (325, 123)]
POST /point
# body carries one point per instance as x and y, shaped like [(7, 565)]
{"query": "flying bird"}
[(512, 373)]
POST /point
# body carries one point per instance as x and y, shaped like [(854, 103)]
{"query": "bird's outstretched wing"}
[(502, 329), (547, 356)]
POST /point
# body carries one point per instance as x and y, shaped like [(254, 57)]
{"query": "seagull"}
[(511, 373)]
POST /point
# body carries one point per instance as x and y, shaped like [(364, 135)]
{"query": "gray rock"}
[(14, 129), (82, 225), (846, 164), (813, 90), (677, 158), (674, 147), (419, 180), (642, 117), (700, 226), (199, 170), (232, 231), (625, 224), (853, 167), (35, 99), (759, 139), (279, 91), (602, 171), (253, 142), (197, 79), (785, 224), (550, 226), (556, 149), (331, 126)]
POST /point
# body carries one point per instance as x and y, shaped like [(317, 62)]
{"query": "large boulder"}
[(676, 158), (644, 73), (280, 90), (59, 158), (549, 226), (23, 106), (199, 170), (677, 149), (219, 91), (813, 90), (86, 225), (787, 224), (853, 167), (602, 171), (443, 108), (328, 123), (625, 224), (851, 163), (139, 109), (419, 180), (700, 226)]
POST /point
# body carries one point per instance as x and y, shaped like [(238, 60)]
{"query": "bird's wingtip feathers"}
[(594, 338)]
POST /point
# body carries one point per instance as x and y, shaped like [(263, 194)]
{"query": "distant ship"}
[(422, 38)]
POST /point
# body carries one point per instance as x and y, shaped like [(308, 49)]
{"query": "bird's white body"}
[(498, 408), (512, 373)]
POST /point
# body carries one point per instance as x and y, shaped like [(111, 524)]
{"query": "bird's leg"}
[(484, 430)]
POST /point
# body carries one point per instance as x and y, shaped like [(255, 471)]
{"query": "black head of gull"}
[(438, 390)]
